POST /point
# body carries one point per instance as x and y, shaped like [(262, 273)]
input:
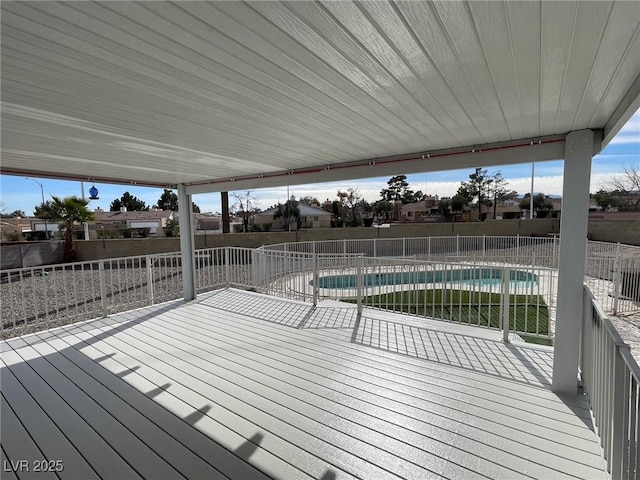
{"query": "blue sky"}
[(18, 193)]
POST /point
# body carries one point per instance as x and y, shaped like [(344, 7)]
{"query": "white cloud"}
[(630, 133)]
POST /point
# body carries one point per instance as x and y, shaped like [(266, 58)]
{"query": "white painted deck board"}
[(214, 393), (21, 447), (307, 416), (308, 384), (323, 406), (223, 396), (222, 426), (185, 435)]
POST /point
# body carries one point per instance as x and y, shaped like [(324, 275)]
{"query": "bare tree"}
[(499, 191), (351, 198), (627, 187), (245, 207)]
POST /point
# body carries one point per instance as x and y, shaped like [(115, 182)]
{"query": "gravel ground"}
[(628, 326), (54, 297)]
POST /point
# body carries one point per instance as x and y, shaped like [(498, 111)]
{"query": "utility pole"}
[(531, 199), (46, 227)]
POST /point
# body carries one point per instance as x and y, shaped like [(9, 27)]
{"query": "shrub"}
[(260, 227), (34, 236), (107, 234), (14, 236), (172, 229), (140, 232)]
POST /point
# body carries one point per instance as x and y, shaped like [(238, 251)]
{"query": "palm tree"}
[(67, 212)]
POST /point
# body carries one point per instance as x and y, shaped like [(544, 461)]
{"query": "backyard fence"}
[(489, 281), (612, 270)]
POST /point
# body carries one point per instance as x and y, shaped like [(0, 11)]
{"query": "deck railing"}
[(518, 298), (466, 278), (611, 379), (612, 270)]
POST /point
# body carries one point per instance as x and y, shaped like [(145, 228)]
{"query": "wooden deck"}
[(239, 385)]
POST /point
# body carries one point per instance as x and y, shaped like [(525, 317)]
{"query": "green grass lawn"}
[(464, 306)]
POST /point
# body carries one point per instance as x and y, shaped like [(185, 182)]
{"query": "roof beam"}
[(506, 153)]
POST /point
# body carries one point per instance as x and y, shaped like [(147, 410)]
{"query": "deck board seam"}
[(232, 351), (282, 419), (409, 375), (134, 409), (221, 366), (222, 406), (100, 406), (62, 432)]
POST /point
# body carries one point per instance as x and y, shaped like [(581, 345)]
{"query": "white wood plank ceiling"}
[(211, 93)]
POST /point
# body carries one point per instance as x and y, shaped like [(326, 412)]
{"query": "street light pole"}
[(531, 199), (46, 227)]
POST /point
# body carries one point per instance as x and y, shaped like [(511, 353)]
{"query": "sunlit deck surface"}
[(240, 385)]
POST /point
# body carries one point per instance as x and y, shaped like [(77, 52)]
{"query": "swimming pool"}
[(474, 276)]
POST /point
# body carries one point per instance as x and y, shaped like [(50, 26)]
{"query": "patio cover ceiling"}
[(230, 95)]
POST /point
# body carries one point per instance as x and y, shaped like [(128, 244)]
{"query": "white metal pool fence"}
[(612, 270), (496, 296), (40, 297)]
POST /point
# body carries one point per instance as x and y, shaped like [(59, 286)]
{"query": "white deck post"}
[(187, 243), (573, 246)]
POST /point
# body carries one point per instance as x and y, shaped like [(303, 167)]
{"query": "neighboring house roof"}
[(305, 211)]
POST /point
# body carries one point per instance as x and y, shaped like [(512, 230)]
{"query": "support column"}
[(579, 150), (187, 243)]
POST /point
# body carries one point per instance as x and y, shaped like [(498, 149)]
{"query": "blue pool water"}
[(484, 277)]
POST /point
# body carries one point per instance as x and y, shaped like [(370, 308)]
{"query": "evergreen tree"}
[(478, 189), (130, 202), (398, 190), (169, 201), (541, 204), (500, 192)]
